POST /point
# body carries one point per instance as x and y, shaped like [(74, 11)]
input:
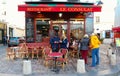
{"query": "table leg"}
[(15, 57), (55, 69)]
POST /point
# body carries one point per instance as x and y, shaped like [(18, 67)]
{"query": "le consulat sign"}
[(60, 9)]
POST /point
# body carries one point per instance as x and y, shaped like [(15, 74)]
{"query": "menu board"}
[(29, 30)]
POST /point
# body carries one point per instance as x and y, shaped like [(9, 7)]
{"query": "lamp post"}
[(99, 2)]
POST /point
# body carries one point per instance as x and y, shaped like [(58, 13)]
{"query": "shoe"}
[(97, 63), (92, 66), (86, 64)]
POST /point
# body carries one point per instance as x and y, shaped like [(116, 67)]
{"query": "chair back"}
[(9, 50), (64, 52), (23, 49), (47, 50)]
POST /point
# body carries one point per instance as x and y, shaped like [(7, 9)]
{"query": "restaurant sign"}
[(60, 9)]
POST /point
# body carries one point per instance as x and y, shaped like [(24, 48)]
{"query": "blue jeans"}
[(95, 56)]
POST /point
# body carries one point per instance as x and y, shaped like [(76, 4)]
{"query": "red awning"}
[(59, 8), (116, 29)]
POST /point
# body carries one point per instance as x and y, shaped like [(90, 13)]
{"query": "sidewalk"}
[(1, 44), (14, 68)]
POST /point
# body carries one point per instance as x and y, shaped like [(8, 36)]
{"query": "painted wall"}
[(117, 14), (107, 16)]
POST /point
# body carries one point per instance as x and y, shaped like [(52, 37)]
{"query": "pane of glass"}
[(77, 29)]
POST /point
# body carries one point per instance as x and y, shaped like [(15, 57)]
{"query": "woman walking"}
[(84, 47)]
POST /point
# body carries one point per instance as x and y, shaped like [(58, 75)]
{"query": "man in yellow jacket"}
[(94, 45)]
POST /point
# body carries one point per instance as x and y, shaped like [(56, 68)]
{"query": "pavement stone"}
[(14, 68)]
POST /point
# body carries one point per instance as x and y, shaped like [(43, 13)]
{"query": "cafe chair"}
[(46, 52), (64, 59), (74, 51), (35, 52), (23, 52), (10, 53)]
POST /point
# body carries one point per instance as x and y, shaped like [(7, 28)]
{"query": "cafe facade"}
[(74, 19)]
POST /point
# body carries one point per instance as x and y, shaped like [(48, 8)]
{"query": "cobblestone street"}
[(15, 67)]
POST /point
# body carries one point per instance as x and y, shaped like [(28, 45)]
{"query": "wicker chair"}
[(23, 51), (10, 53), (64, 58), (46, 51)]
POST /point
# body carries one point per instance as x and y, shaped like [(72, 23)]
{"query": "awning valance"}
[(116, 29), (59, 8)]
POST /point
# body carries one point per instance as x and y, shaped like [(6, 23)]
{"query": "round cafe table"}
[(55, 55)]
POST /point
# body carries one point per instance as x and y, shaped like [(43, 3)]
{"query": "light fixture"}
[(60, 14), (38, 12)]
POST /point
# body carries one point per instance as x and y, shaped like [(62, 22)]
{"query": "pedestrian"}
[(94, 45), (63, 42), (54, 41), (5, 38), (84, 47)]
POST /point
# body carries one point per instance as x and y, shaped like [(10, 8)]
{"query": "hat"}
[(86, 35)]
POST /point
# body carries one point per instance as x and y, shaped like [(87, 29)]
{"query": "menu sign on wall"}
[(29, 30)]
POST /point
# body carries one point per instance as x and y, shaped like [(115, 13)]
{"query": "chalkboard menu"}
[(29, 30)]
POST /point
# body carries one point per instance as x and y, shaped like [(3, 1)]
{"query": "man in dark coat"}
[(55, 43)]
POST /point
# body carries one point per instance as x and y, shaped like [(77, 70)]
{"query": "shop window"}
[(77, 30), (42, 28), (10, 32), (107, 34)]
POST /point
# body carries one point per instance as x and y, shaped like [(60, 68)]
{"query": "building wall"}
[(14, 31), (18, 32), (117, 14), (106, 16)]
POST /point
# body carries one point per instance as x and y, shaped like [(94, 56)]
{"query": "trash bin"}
[(81, 66), (27, 67)]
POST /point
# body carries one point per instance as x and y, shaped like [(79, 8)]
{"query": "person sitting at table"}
[(73, 48), (55, 43)]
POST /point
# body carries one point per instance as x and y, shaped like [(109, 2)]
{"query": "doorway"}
[(1, 35), (42, 30)]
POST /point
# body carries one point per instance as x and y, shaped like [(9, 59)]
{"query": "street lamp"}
[(100, 2)]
